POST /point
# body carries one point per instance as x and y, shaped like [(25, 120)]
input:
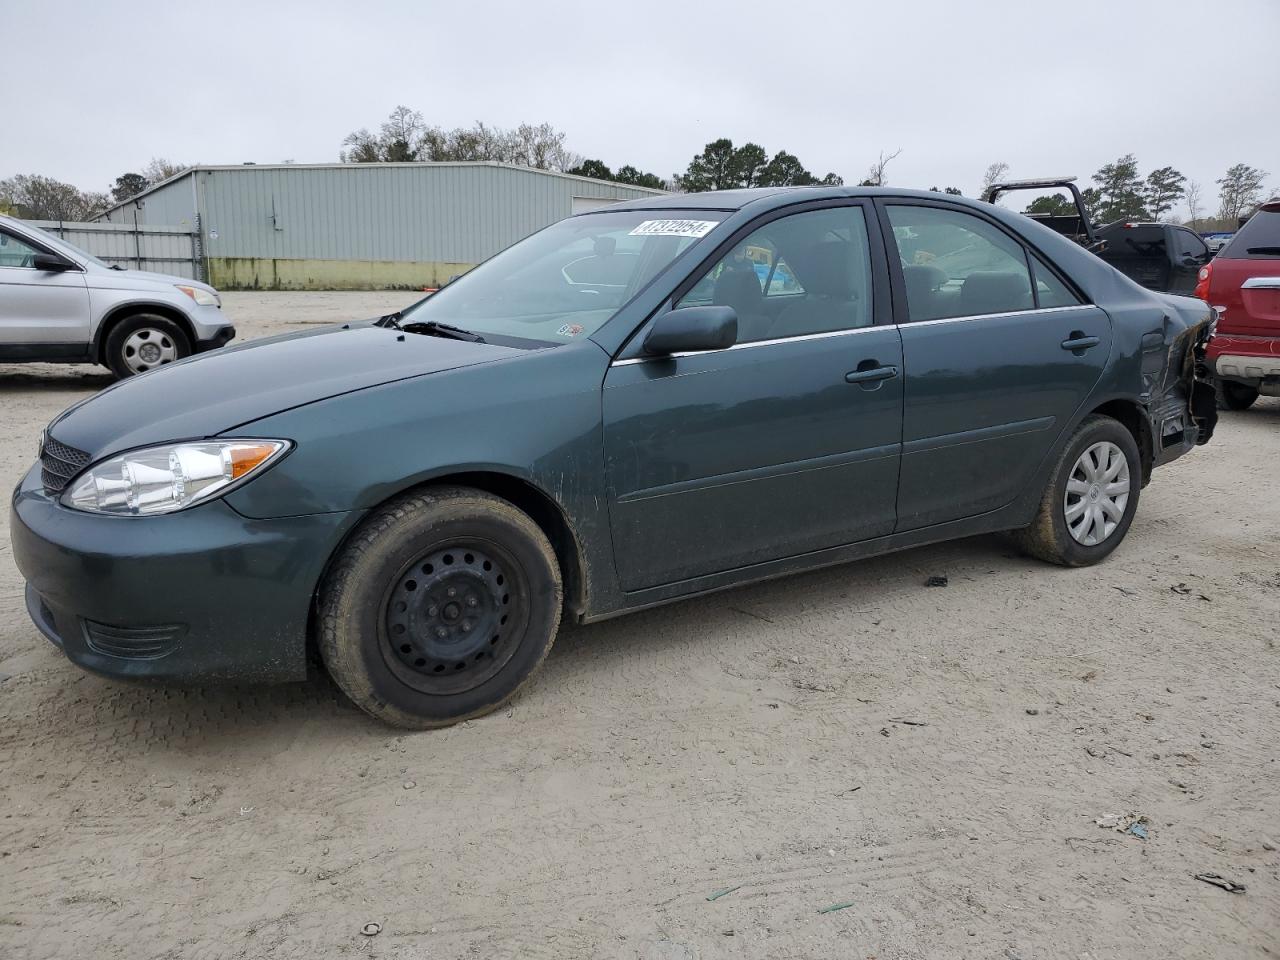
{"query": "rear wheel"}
[(1090, 499), (1236, 396), (440, 608), (143, 342)]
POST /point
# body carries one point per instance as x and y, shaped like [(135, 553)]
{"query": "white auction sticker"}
[(674, 228)]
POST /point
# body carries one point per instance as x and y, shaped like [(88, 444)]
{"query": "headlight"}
[(203, 297), (171, 477)]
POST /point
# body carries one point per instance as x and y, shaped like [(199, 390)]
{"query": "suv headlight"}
[(203, 297), (171, 477)]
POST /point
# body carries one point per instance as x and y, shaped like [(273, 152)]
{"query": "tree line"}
[(35, 197), (1118, 192), (1121, 192)]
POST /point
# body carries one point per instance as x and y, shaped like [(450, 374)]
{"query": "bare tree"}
[(875, 175), (402, 135), (995, 173), (1192, 198), (360, 146), (405, 136), (161, 169), (43, 198)]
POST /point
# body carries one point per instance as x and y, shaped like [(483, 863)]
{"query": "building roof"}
[(416, 165)]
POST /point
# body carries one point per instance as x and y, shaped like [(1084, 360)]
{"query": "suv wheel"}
[(439, 608), (1090, 499), (1236, 396), (143, 342)]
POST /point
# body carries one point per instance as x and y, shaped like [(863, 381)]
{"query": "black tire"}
[(387, 597), (1049, 537), (1235, 396), (120, 350)]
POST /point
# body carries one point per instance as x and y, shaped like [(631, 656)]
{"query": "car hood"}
[(216, 392), (144, 279)]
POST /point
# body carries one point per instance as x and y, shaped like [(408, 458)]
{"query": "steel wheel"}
[(440, 607), (148, 347), (1097, 493), (454, 616)]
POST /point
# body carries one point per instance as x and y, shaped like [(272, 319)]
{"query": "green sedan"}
[(633, 406)]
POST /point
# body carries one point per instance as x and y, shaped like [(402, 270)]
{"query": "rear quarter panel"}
[(1153, 348)]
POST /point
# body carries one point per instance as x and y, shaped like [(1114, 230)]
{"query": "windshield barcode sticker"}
[(674, 228)]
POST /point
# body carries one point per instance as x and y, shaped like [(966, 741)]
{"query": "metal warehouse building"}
[(359, 226)]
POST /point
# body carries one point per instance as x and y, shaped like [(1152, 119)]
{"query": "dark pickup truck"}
[(1160, 256)]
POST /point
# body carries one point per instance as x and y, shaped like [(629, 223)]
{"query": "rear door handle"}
[(1078, 341), (871, 375)]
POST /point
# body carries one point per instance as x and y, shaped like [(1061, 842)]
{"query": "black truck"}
[(1160, 256)]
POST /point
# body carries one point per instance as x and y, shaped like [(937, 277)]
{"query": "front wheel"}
[(440, 608), (1090, 499), (143, 342), (1236, 396)]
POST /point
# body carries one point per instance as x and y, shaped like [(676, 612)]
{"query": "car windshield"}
[(564, 282)]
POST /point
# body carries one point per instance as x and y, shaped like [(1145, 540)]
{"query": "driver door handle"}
[(1078, 341), (872, 375)]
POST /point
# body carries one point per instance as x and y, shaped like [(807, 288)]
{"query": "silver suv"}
[(59, 303)]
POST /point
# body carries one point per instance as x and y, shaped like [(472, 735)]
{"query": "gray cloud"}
[(1048, 88)]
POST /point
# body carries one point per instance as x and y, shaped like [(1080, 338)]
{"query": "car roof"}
[(762, 198)]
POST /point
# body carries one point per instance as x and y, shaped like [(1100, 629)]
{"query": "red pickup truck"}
[(1243, 283)]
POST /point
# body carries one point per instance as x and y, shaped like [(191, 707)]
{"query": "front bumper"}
[(201, 594), (219, 338)]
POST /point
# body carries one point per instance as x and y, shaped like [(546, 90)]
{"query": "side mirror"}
[(50, 263), (690, 329)]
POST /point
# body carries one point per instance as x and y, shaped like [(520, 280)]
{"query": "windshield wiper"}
[(1274, 251), (390, 320), (437, 329)]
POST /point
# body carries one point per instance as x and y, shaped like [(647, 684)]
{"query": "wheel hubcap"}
[(453, 616), (147, 348), (1097, 493)]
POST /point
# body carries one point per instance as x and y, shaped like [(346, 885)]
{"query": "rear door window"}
[(956, 264), (1188, 244), (1050, 291), (1139, 240)]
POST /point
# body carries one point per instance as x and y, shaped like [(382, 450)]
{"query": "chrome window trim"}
[(845, 333), (753, 343), (1007, 313), (1261, 283)]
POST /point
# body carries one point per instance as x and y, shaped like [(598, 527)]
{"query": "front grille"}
[(144, 643), (58, 464)]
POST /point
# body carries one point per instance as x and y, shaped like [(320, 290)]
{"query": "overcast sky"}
[(1051, 88)]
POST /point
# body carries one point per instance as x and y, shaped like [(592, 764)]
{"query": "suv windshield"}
[(564, 282)]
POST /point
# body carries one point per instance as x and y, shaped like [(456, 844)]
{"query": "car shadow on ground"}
[(52, 378), (138, 718)]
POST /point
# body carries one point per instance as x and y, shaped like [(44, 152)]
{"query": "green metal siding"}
[(458, 213), (258, 223)]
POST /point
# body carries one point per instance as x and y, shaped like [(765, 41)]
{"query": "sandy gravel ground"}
[(935, 759)]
